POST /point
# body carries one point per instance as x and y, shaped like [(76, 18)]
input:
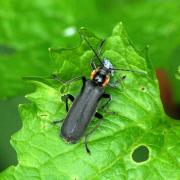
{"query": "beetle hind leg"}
[(100, 117)]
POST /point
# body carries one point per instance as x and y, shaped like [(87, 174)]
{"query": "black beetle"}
[(85, 104)]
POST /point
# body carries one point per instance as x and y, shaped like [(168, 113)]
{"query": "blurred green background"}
[(30, 27)]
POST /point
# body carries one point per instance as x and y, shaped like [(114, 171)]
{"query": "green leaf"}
[(138, 120)]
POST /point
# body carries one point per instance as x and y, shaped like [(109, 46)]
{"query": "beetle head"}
[(109, 67)]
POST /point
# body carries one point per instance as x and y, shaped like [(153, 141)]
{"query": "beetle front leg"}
[(117, 82), (100, 117), (57, 78)]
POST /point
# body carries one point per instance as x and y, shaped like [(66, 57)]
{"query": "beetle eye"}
[(111, 72)]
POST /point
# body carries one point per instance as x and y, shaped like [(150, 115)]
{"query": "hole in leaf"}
[(140, 154), (142, 88)]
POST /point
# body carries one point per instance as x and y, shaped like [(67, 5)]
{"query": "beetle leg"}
[(70, 97), (108, 96), (100, 117), (83, 79), (115, 84), (73, 79), (57, 78), (57, 122)]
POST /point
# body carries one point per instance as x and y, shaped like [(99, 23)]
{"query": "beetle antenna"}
[(134, 71), (94, 49)]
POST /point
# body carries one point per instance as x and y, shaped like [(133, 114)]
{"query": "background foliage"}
[(29, 28), (137, 119)]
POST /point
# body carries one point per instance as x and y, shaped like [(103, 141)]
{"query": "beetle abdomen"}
[(69, 135), (81, 112)]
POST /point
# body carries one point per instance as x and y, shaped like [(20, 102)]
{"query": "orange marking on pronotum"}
[(106, 81), (93, 73)]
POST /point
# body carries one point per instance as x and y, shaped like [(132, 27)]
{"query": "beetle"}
[(84, 106)]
